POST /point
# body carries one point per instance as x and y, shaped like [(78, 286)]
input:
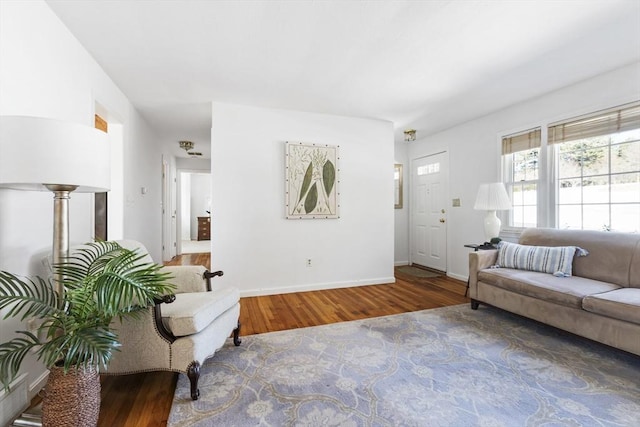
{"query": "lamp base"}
[(491, 225), (32, 417), (60, 227)]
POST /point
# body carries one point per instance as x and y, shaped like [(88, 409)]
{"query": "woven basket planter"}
[(71, 400)]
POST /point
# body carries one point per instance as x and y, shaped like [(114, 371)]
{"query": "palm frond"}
[(26, 298), (126, 282), (86, 261), (12, 353), (84, 347), (102, 281)]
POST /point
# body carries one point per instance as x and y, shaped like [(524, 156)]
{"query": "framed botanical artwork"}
[(311, 180)]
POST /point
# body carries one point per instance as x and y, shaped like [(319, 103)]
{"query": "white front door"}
[(168, 211), (173, 191), (428, 211)]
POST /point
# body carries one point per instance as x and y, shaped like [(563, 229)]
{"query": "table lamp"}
[(491, 198), (42, 154)]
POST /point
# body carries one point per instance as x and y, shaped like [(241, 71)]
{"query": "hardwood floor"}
[(145, 399)]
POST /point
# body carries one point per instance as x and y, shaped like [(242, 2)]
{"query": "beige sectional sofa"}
[(599, 301)]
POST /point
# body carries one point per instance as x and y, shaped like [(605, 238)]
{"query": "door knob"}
[(441, 219)]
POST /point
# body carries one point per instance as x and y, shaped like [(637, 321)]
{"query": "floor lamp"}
[(41, 154), (491, 198)]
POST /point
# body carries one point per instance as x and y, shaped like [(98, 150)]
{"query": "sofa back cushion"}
[(613, 257), (557, 260)]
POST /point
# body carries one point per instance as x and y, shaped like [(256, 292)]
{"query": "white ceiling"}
[(426, 65)]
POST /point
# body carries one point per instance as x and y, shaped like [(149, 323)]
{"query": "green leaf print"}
[(306, 182), (312, 199), (328, 176)]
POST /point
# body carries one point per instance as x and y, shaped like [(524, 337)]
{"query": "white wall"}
[(185, 205), (193, 164), (474, 148), (44, 71), (142, 167), (259, 250)]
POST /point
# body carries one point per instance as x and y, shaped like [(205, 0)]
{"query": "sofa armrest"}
[(187, 278), (479, 260)]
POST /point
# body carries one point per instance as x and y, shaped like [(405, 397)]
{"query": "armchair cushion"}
[(192, 312)]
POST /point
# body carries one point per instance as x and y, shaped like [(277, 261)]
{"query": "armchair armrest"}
[(479, 261), (187, 278), (164, 299), (208, 275), (157, 316)]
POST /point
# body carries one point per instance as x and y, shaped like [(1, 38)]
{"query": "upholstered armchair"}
[(182, 330)]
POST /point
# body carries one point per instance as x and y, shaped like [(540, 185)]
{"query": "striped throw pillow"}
[(555, 260)]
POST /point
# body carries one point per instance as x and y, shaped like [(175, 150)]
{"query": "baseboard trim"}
[(13, 402), (316, 287), (400, 263), (38, 384), (457, 276)]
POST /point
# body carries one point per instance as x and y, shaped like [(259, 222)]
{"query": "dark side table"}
[(483, 247)]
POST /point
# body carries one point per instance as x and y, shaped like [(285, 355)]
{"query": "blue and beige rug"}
[(450, 366)]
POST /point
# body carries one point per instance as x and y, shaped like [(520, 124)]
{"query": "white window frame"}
[(547, 197)]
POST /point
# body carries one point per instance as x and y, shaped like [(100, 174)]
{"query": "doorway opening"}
[(194, 222), (108, 208)]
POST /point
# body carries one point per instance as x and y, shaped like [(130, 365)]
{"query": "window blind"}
[(603, 123), (521, 141)]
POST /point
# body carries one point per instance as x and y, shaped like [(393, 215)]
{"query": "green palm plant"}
[(102, 281)]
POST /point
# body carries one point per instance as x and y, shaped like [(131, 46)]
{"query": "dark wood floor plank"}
[(145, 399)]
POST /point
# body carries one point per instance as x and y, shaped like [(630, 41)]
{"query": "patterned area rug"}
[(450, 366), (418, 272)]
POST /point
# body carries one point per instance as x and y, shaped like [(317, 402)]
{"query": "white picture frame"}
[(312, 181), (397, 184)]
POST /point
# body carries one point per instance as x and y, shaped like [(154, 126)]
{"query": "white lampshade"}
[(35, 151), (490, 198)]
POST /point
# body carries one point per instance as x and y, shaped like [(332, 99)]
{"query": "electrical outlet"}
[(308, 262), (455, 203)]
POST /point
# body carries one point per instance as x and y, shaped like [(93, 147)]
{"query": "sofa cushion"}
[(191, 312), (623, 304), (568, 291), (555, 260), (613, 257)]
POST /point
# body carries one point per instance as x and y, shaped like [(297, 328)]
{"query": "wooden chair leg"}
[(193, 372), (236, 335)]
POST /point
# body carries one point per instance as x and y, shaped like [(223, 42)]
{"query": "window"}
[(598, 171), (429, 169), (594, 173), (521, 160)]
